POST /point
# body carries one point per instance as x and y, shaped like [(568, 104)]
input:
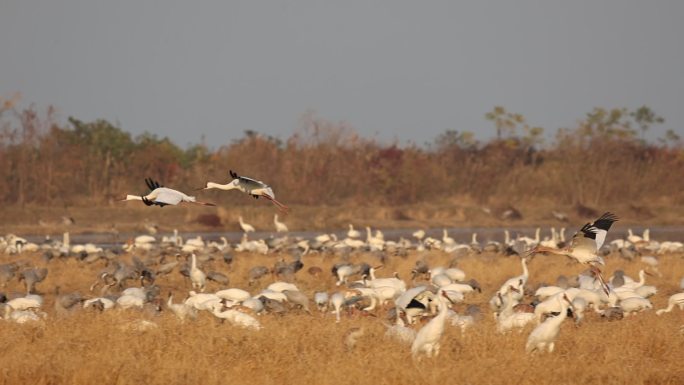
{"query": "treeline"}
[(604, 159)]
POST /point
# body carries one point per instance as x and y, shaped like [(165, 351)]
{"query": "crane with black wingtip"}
[(162, 196), (253, 187)]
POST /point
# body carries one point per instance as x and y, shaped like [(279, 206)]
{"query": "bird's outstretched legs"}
[(599, 276)]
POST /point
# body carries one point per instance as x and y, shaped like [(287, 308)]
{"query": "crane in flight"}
[(585, 245), (162, 196), (253, 187)]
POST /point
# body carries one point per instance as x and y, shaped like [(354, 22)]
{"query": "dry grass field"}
[(103, 348)]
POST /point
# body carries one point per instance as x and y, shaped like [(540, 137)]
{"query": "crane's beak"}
[(444, 294)]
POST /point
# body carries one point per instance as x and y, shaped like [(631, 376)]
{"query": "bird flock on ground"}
[(415, 311)]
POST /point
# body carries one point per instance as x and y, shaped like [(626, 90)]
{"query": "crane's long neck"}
[(227, 186), (193, 265), (524, 266), (508, 304), (507, 237), (536, 234), (642, 278), (557, 320), (133, 198), (474, 240), (372, 273)]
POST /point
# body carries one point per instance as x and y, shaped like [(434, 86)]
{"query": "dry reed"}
[(90, 348)]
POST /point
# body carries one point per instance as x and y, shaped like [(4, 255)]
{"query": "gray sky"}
[(391, 69)]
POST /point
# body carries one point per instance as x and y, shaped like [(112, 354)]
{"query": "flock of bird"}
[(428, 296)]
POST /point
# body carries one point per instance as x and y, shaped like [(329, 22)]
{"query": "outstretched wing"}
[(248, 183), (602, 226), (585, 238), (150, 203), (152, 184), (169, 197)]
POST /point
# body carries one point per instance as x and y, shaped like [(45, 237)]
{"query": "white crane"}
[(162, 196), (675, 300), (352, 233), (585, 245), (280, 226), (197, 276), (427, 338), (181, 310), (237, 318), (249, 186), (246, 227), (234, 295), (545, 334)]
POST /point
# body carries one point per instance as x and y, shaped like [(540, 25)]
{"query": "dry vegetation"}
[(90, 348), (601, 161)]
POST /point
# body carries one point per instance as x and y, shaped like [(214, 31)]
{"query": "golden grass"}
[(90, 348)]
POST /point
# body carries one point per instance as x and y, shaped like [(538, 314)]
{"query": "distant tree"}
[(504, 121), (452, 139), (645, 117), (109, 148), (611, 123)]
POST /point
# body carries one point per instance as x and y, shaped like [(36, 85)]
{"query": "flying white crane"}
[(585, 245), (162, 196), (249, 186)]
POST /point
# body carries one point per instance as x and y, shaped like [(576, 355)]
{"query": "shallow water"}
[(460, 234)]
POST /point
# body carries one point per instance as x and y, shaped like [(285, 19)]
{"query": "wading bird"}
[(585, 245), (249, 186), (162, 196)]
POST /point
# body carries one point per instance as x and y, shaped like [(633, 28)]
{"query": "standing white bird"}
[(427, 338), (249, 186), (181, 310), (280, 226), (585, 245), (544, 335), (246, 227), (162, 196), (352, 233), (197, 276)]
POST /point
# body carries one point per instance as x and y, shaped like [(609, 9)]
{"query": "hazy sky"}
[(392, 69)]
